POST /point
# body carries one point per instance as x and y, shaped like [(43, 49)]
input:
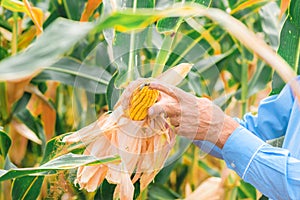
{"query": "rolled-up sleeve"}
[(271, 170)]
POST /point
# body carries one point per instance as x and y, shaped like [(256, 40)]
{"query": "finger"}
[(178, 130), (129, 90), (156, 110), (166, 108), (175, 121), (170, 90)]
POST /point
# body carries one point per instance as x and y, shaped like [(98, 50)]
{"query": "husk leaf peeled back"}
[(142, 143)]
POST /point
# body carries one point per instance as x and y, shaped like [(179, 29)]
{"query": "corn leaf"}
[(4, 24), (163, 55), (14, 5), (90, 7), (73, 8), (105, 191), (36, 14), (23, 130), (207, 68), (171, 24), (74, 73), (169, 27), (247, 4), (5, 143), (284, 4), (26, 38), (27, 187), (246, 190), (4, 111), (112, 93), (64, 162), (271, 24), (109, 34), (289, 47), (44, 52), (158, 191), (28, 126), (181, 146), (142, 19)]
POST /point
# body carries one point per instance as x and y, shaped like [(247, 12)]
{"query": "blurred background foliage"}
[(60, 75)]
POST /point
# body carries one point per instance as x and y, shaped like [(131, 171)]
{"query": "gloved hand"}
[(193, 117)]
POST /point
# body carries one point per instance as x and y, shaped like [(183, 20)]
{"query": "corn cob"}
[(142, 98)]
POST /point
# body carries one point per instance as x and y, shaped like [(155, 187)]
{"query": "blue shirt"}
[(273, 171)]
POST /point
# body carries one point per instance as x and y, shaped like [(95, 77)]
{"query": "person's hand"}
[(193, 117)]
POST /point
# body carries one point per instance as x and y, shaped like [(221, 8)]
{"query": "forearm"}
[(229, 126), (215, 146)]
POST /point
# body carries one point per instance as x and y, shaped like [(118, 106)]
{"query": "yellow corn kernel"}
[(142, 99)]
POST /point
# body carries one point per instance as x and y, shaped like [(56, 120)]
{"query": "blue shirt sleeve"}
[(272, 170), (272, 117), (209, 148)]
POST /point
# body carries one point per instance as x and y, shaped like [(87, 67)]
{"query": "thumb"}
[(156, 110)]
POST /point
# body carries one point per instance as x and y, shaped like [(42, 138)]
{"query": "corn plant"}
[(65, 63)]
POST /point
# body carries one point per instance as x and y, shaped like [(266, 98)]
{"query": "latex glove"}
[(193, 117)]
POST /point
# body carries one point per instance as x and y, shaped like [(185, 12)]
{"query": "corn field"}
[(65, 64)]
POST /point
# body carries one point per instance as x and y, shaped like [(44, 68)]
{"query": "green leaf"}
[(277, 142), (163, 55), (205, 3), (289, 43), (181, 146), (5, 143), (126, 51), (55, 147), (105, 191), (72, 72), (171, 24), (258, 81), (168, 25), (158, 191), (246, 190), (67, 161), (207, 63), (27, 187), (4, 24), (270, 23), (208, 169), (207, 68), (112, 93), (14, 5), (3, 53), (289, 47), (31, 122), (4, 113), (57, 39), (74, 8), (127, 20)]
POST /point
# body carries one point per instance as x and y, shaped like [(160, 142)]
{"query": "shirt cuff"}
[(240, 149), (209, 148)]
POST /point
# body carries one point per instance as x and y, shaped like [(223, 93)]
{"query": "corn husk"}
[(142, 145)]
